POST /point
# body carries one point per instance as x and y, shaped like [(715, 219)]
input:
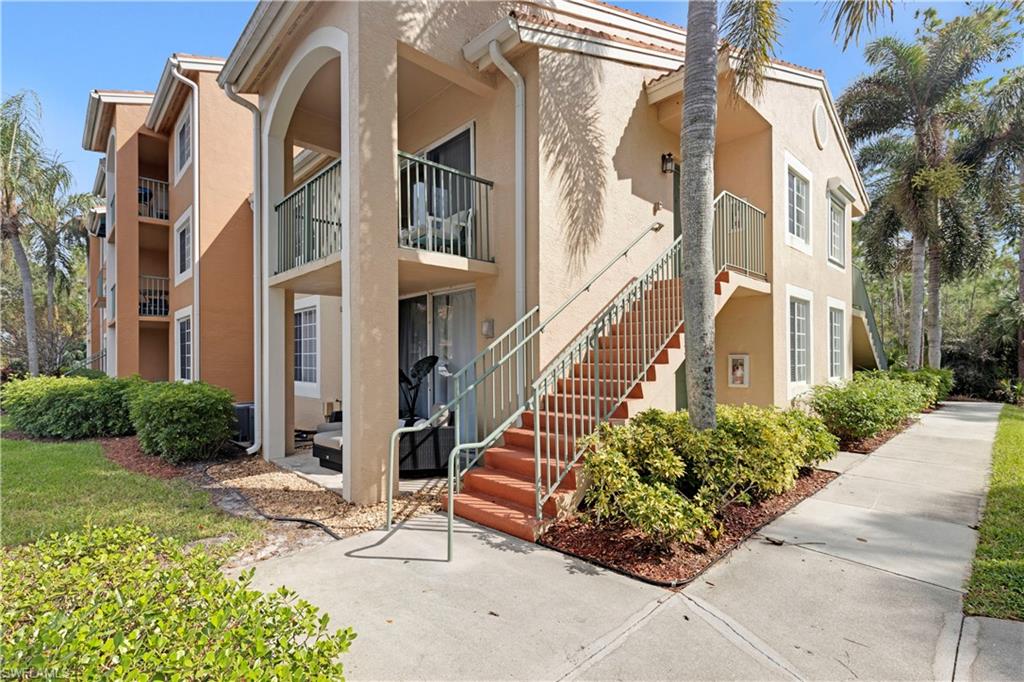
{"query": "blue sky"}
[(61, 50)]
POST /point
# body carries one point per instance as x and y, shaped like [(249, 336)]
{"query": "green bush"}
[(69, 407), (869, 405), (117, 603), (182, 422), (669, 480), (87, 372)]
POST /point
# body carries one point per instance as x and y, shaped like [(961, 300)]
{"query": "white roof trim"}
[(100, 180), (97, 100), (261, 32), (168, 85)]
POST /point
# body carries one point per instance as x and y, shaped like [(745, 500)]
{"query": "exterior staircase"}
[(502, 494)]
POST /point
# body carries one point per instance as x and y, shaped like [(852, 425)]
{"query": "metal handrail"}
[(328, 168), (862, 302), (448, 169), (515, 351), (738, 236), (308, 221)]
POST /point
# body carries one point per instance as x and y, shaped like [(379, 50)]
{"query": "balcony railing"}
[(443, 209), (739, 236), (153, 198), (862, 302), (309, 221), (153, 301)]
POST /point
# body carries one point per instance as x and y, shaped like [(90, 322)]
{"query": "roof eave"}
[(159, 110)]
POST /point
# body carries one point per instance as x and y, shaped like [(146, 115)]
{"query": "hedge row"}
[(670, 480), (117, 603), (176, 421)]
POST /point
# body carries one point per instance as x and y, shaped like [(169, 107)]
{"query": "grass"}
[(996, 587), (61, 487)]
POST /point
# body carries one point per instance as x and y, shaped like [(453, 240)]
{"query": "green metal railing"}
[(739, 236), (443, 209), (309, 221), (862, 302)]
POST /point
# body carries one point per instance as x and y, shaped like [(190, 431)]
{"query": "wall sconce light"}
[(668, 162), (487, 328)]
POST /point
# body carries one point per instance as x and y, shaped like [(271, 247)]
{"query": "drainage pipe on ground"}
[(257, 269)]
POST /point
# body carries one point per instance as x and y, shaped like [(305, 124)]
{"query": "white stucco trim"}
[(797, 388), (186, 113), (179, 315), (841, 198), (837, 304), (186, 216), (796, 166), (311, 389)]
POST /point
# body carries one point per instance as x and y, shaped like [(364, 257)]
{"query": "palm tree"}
[(751, 29), (21, 169), (56, 216), (994, 145), (914, 91)]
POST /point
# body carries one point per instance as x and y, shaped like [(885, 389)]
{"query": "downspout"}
[(257, 270), (196, 210), (520, 211)]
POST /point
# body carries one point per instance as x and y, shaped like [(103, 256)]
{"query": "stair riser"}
[(628, 342), (611, 371), (587, 387), (586, 406), (567, 424), (548, 443), (465, 510), (632, 356), (525, 467), (519, 496)]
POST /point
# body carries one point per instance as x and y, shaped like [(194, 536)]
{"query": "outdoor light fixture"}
[(668, 162), (487, 328)]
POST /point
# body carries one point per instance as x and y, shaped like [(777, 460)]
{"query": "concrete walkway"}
[(867, 585)]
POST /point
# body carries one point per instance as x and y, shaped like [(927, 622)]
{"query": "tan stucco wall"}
[(744, 326), (309, 409)]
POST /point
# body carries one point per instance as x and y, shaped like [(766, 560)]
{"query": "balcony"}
[(309, 221), (153, 198), (738, 239), (443, 210), (153, 300)]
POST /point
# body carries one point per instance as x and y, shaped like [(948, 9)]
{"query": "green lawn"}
[(60, 487), (996, 587)]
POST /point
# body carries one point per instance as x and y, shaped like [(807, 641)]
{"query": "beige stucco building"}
[(170, 253), (478, 182)]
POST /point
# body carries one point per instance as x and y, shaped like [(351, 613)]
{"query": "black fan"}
[(411, 383)]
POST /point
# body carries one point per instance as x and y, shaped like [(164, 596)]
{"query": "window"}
[(836, 342), (836, 232), (183, 247), (306, 346), (183, 140), (183, 344), (798, 209), (799, 340)]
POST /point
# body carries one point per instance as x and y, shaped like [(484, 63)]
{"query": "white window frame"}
[(746, 365), (185, 217), (793, 165), (795, 292), (836, 304), (179, 315), (185, 115), (835, 200), (306, 389)]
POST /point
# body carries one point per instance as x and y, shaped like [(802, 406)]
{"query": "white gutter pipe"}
[(520, 154), (520, 211), (257, 269), (196, 210)]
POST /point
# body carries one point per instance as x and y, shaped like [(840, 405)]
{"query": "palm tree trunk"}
[(28, 302), (917, 267), (51, 299), (934, 304), (697, 150), (1020, 300)]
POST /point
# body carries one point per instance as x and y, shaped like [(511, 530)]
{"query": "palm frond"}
[(752, 28), (850, 17)]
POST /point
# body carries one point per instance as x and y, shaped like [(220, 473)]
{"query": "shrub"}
[(69, 407), (87, 372), (182, 422), (669, 480), (940, 381), (870, 404), (118, 603)]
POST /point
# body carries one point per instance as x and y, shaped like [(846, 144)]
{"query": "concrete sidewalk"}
[(867, 585)]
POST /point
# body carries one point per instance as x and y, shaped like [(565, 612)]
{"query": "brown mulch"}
[(865, 446), (126, 452), (626, 550), (277, 492)]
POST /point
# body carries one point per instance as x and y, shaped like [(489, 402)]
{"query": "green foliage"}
[(661, 475), (118, 603), (996, 587), (182, 422), (938, 381), (69, 407), (870, 404), (87, 372), (1012, 392)]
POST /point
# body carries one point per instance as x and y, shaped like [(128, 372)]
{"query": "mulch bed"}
[(126, 452), (626, 550), (865, 446)]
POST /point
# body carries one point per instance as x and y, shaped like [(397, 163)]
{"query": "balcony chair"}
[(447, 235)]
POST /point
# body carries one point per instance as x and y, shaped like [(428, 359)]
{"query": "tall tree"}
[(21, 168), (913, 91), (751, 32)]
